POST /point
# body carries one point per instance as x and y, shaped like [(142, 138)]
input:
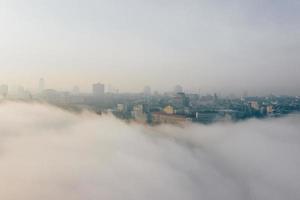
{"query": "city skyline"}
[(147, 89)]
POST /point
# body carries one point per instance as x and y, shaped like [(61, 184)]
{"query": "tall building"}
[(3, 90), (41, 85), (98, 89), (147, 90), (178, 89)]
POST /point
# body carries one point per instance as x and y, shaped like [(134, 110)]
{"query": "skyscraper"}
[(147, 90), (98, 89), (41, 85), (178, 89)]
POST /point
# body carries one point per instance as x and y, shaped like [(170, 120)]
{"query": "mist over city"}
[(49, 153), (157, 99)]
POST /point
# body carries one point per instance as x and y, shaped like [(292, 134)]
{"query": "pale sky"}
[(212, 45)]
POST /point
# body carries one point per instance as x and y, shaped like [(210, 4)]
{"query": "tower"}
[(41, 85), (98, 89)]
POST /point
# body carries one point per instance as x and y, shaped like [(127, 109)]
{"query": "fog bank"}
[(47, 153)]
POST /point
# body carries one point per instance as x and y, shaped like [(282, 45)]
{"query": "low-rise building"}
[(161, 117), (138, 114), (254, 105), (121, 107), (269, 109)]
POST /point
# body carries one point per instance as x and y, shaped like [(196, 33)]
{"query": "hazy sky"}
[(226, 46)]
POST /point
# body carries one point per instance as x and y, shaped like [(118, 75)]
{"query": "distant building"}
[(269, 109), (216, 97), (179, 100), (206, 117), (55, 97), (51, 96), (111, 90), (3, 90), (178, 89), (77, 99), (121, 107), (161, 117), (138, 113), (245, 94), (138, 108), (254, 105), (147, 91), (98, 89), (169, 110), (41, 85)]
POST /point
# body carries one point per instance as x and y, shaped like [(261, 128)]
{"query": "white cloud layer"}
[(47, 153)]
